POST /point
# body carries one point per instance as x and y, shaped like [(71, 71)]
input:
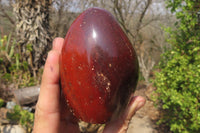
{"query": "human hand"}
[(52, 114)]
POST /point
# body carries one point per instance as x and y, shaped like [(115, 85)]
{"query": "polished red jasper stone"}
[(98, 67)]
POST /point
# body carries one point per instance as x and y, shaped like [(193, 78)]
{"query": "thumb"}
[(47, 108), (121, 124)]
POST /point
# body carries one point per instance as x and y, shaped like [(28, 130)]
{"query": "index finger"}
[(58, 44)]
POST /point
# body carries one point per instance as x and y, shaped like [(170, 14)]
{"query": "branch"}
[(118, 13), (142, 15), (150, 21), (141, 19), (7, 16), (133, 12)]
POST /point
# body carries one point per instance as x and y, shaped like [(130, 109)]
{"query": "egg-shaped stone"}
[(98, 67)]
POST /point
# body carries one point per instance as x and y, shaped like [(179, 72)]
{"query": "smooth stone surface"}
[(99, 67)]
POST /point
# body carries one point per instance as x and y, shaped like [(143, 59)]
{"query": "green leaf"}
[(1, 102)]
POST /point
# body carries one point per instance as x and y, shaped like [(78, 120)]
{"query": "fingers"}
[(49, 91), (58, 44), (135, 104), (121, 124), (47, 113)]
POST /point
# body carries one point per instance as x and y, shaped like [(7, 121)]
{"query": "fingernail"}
[(54, 43), (140, 105), (49, 54)]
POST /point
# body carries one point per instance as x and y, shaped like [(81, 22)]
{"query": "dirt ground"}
[(145, 119)]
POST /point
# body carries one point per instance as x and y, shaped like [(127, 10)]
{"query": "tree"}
[(140, 20), (32, 28), (178, 82), (5, 14), (7, 22), (62, 16)]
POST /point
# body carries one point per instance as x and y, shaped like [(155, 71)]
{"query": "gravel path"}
[(141, 125), (144, 120)]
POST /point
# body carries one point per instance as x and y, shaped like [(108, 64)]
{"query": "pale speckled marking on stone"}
[(79, 82), (101, 100), (80, 68), (92, 68), (67, 101), (105, 79), (108, 87), (73, 59)]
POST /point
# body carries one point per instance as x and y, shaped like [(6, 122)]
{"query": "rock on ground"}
[(12, 129)]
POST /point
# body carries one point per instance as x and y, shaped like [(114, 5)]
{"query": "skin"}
[(53, 116)]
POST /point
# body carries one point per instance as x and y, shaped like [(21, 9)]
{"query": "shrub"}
[(22, 117), (1, 102), (178, 82), (14, 69)]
